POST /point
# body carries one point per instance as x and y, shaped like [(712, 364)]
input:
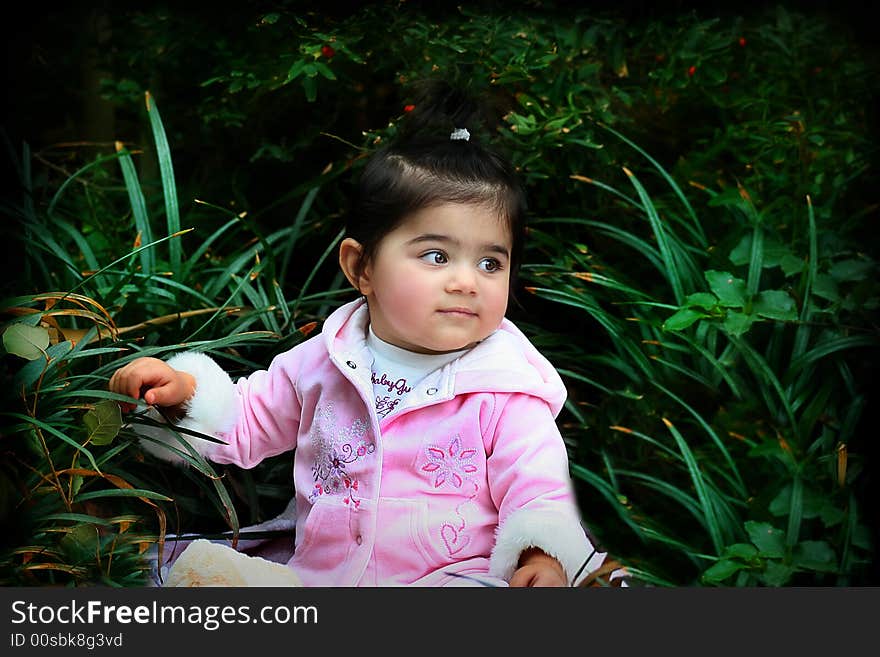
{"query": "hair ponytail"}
[(438, 109), (425, 166)]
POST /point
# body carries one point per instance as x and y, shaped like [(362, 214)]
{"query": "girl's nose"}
[(462, 280)]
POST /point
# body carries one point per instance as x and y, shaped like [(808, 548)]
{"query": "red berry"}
[(691, 71), (327, 51), (742, 42), (408, 108)]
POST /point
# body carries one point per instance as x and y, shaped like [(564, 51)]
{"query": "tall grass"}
[(87, 503), (711, 413)]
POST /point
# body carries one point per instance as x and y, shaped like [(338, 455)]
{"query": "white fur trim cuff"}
[(559, 535), (211, 410)]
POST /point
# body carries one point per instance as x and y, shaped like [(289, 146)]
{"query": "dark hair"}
[(424, 167)]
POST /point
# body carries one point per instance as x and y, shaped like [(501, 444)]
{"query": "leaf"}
[(774, 252), (701, 300), (851, 270), (682, 319), (791, 265), (777, 573), (741, 551), (861, 537), (79, 543), (779, 505), (123, 492), (103, 422), (311, 88), (29, 342), (731, 291), (769, 540), (721, 570), (814, 504), (775, 304), (737, 323), (325, 70), (826, 287), (815, 555), (295, 70)]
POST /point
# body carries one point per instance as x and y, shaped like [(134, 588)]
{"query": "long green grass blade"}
[(687, 502), (669, 262), (675, 188), (141, 249), (756, 260), (305, 286), (169, 187), (795, 511), (825, 349), (606, 491), (50, 211), (58, 434), (138, 208), (122, 492), (78, 517), (731, 463), (764, 375), (707, 507), (802, 335), (301, 214)]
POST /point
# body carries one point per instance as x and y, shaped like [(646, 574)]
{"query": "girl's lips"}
[(458, 311)]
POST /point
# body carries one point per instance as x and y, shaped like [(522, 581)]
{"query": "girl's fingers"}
[(147, 378)]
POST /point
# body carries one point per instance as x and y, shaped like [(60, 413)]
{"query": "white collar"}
[(407, 358)]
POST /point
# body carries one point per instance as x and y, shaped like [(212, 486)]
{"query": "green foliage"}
[(698, 269), (89, 508)]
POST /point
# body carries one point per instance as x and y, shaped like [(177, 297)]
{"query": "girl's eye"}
[(434, 257), (489, 265)]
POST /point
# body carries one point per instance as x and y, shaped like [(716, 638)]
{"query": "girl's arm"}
[(529, 481), (257, 417)]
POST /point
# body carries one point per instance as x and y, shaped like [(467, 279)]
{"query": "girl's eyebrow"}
[(434, 237)]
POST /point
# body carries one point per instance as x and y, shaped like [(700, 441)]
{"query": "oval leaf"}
[(775, 304), (769, 540), (721, 571), (103, 422), (777, 573), (682, 319), (741, 551), (730, 291), (815, 555), (29, 342), (737, 323), (701, 300)]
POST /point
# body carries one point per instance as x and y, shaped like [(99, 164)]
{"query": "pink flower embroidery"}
[(336, 448), (451, 464)]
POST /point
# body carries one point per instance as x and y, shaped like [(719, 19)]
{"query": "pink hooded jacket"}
[(470, 471)]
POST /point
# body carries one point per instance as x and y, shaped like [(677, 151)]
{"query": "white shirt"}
[(396, 371)]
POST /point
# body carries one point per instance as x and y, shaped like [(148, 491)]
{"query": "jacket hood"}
[(506, 361)]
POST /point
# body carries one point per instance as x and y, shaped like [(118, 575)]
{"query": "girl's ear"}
[(351, 262)]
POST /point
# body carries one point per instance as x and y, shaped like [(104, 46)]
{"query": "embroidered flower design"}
[(337, 447), (451, 464)]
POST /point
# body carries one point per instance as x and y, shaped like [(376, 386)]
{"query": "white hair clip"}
[(460, 133)]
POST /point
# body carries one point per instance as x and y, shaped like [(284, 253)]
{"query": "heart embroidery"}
[(454, 541)]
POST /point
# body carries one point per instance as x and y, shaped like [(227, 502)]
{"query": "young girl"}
[(422, 419)]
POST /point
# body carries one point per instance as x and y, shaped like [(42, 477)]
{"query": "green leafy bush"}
[(698, 270)]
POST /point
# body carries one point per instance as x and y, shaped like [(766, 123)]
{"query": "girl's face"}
[(439, 281)]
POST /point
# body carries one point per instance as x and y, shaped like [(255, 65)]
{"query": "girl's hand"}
[(155, 381), (537, 568)]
